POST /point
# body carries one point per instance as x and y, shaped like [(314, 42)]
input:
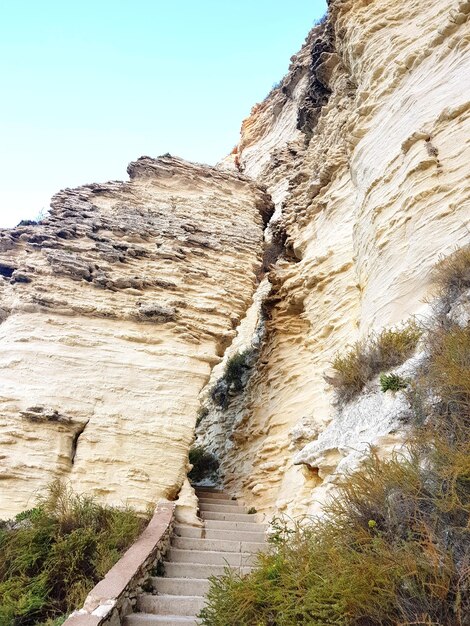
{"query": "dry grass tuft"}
[(366, 359), (448, 368), (451, 276)]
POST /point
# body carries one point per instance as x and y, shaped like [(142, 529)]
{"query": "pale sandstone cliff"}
[(138, 289), (114, 311), (365, 147)]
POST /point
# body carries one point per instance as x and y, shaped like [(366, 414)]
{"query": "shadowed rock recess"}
[(114, 310)]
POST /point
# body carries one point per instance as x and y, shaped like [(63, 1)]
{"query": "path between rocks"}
[(230, 537)]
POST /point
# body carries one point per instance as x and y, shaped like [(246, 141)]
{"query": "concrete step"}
[(238, 525), (169, 605), (221, 501), (217, 545), (180, 530), (222, 508), (210, 558), (257, 536), (216, 495), (228, 517), (145, 619), (180, 586), (198, 570)]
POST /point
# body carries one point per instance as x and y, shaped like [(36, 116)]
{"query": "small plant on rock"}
[(205, 465), (392, 382), (234, 378)]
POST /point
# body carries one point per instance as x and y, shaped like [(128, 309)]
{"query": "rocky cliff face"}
[(364, 147), (118, 309), (114, 311)]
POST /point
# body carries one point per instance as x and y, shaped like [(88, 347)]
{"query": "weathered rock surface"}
[(117, 310), (114, 311), (365, 148)]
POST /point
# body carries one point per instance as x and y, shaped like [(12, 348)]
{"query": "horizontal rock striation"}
[(114, 309)]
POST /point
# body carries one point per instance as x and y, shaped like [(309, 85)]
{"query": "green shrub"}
[(205, 465), (236, 366), (367, 358), (202, 413), (392, 382), (234, 378), (52, 556)]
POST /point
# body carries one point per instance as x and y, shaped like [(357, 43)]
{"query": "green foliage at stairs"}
[(53, 555)]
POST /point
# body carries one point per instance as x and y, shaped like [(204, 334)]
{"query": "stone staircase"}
[(230, 537)]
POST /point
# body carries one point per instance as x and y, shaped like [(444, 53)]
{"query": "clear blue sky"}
[(89, 85)]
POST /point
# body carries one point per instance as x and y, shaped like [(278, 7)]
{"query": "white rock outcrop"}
[(115, 309)]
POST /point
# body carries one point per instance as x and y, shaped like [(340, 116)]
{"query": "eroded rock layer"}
[(114, 310), (365, 147)]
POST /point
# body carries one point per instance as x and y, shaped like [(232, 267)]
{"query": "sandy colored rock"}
[(365, 147), (131, 297), (114, 310)]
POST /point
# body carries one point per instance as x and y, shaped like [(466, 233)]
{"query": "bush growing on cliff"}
[(53, 555), (205, 465), (394, 548), (236, 366), (367, 358), (233, 379), (451, 277), (388, 554)]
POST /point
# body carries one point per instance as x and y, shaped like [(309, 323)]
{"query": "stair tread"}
[(231, 501), (227, 530), (181, 527), (199, 569), (170, 595), (220, 545), (178, 550), (177, 579), (146, 617)]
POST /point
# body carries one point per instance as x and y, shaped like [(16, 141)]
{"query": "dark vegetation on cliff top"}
[(394, 547), (54, 554), (205, 465)]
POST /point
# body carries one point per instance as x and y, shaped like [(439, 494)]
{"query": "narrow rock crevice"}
[(224, 398), (76, 436)]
